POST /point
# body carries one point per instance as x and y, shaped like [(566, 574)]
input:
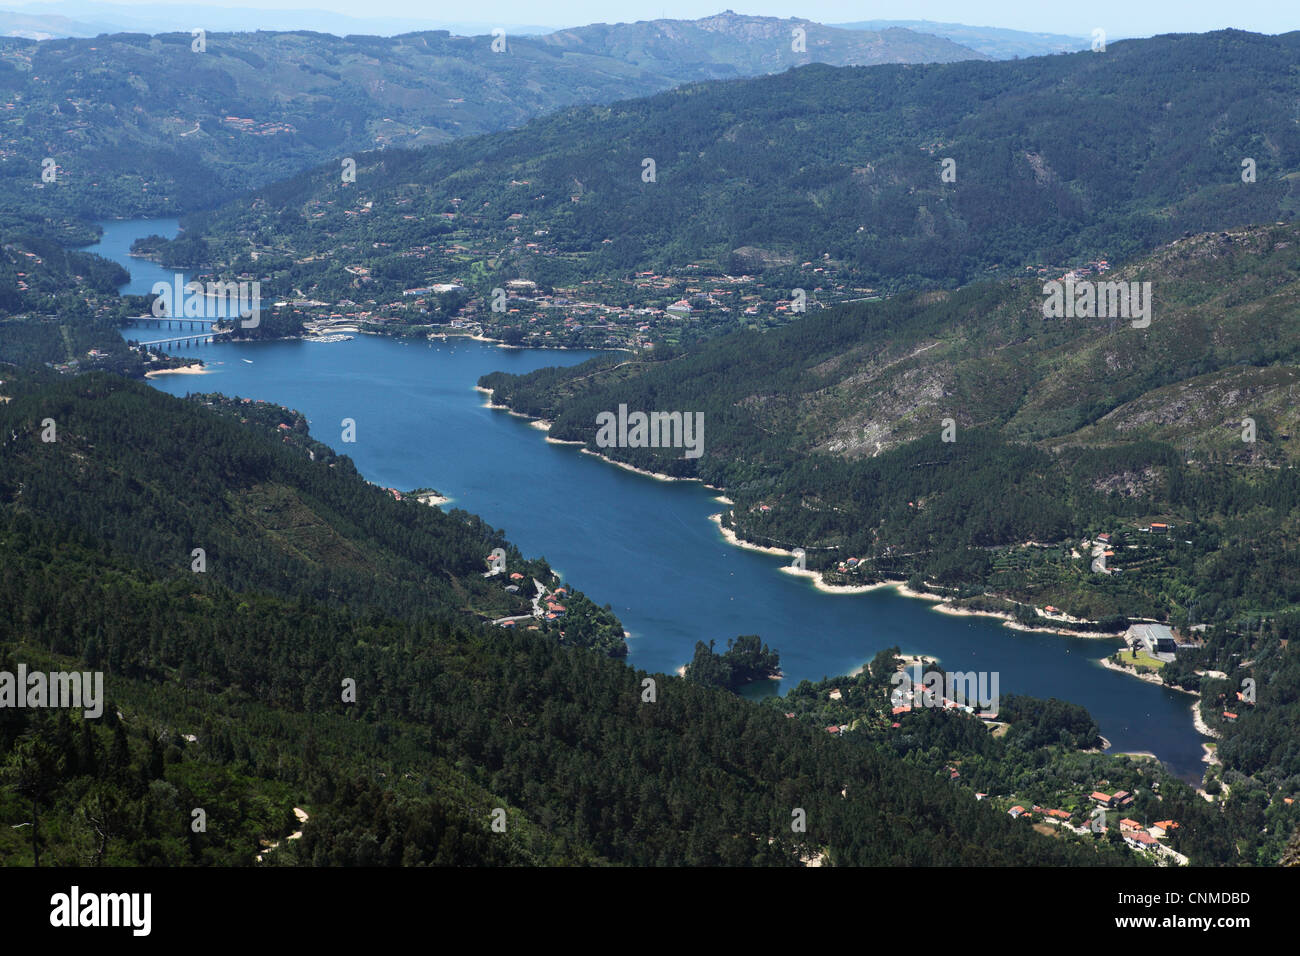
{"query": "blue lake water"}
[(646, 547)]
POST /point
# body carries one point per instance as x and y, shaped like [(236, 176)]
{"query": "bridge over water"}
[(202, 330), (181, 322)]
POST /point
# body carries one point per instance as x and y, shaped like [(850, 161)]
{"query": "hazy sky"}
[(1117, 17)]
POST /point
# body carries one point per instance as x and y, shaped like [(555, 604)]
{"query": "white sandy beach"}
[(1008, 620), (543, 425), (819, 581), (626, 467), (537, 423), (732, 539), (195, 369)]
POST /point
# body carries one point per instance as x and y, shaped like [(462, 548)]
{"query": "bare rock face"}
[(748, 28)]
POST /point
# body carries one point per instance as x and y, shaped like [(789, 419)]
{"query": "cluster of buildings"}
[(1135, 834), (612, 311), (1095, 267), (255, 128)]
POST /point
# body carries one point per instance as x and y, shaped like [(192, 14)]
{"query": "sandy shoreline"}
[(626, 467), (819, 581), (1064, 631), (818, 578), (1201, 726), (939, 601), (543, 425), (502, 344), (943, 607), (536, 422), (738, 542), (489, 403), (196, 369), (1110, 665)]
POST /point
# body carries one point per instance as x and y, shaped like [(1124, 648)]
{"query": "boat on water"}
[(249, 361)]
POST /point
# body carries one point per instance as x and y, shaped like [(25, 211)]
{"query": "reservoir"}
[(644, 546)]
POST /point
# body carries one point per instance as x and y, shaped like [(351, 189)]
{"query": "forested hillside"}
[(838, 168), (59, 306), (925, 433), (141, 125), (224, 687)]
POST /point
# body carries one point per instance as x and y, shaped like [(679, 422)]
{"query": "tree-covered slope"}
[(141, 125), (1056, 159), (925, 430), (224, 688)]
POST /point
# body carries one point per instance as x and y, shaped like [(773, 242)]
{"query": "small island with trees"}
[(746, 660)]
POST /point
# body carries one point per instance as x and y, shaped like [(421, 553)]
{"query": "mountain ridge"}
[(153, 125), (840, 167)]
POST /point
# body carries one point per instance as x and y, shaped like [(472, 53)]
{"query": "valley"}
[(612, 425)]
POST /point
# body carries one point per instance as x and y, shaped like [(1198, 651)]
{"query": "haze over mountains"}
[(996, 42), (85, 18), (88, 18), (146, 125)]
